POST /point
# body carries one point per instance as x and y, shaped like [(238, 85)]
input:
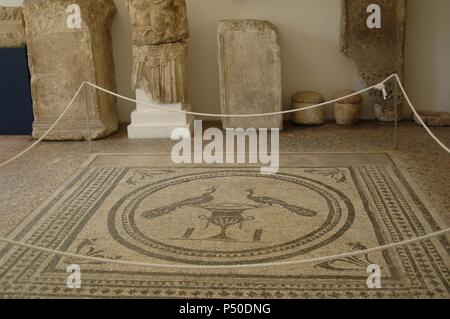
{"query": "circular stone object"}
[(314, 116), (347, 111)]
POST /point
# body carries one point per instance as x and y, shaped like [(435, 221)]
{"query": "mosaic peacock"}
[(195, 201), (269, 201)]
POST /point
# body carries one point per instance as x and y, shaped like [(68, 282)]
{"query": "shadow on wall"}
[(317, 65), (427, 54)]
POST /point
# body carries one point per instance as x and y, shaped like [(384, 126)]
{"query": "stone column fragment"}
[(250, 73), (12, 27), (61, 58), (377, 53)]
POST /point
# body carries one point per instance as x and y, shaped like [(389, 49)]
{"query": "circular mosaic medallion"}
[(230, 217)]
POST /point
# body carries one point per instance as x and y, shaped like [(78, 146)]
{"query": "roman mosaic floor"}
[(330, 196)]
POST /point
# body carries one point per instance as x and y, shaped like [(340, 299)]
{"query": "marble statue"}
[(61, 58), (159, 31)]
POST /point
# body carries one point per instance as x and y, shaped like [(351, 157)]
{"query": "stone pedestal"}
[(250, 73), (61, 59), (148, 122)]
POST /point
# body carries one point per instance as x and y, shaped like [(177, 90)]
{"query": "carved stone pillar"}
[(62, 58), (377, 53), (159, 29)]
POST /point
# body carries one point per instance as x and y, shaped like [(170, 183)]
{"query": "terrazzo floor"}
[(28, 181)]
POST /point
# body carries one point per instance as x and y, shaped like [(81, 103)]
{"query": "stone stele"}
[(250, 73), (60, 60), (158, 21), (12, 27), (377, 53)]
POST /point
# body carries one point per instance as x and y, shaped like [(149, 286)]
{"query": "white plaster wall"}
[(428, 54), (310, 49)]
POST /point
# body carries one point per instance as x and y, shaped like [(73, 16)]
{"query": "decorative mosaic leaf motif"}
[(337, 174)]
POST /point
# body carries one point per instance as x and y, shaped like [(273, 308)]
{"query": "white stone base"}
[(148, 122)]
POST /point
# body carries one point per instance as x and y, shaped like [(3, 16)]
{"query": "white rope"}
[(47, 132), (162, 108), (380, 86), (176, 111), (256, 265), (419, 118)]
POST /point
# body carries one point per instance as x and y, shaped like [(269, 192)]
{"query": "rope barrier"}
[(47, 132), (419, 117), (379, 86), (256, 265), (162, 108)]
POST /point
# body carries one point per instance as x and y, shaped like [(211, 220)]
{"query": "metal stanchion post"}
[(88, 124)]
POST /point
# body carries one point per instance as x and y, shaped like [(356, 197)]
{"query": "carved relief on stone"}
[(160, 70), (158, 21), (12, 27), (250, 73), (377, 53), (61, 59)]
